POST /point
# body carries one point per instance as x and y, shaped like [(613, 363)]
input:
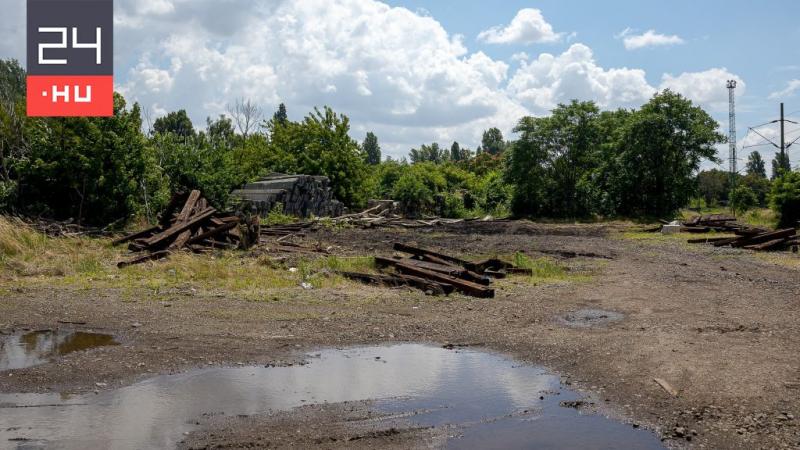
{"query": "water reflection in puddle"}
[(21, 350), (484, 392)]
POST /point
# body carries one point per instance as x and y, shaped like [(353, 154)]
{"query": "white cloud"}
[(545, 82), (389, 69), (648, 39), (527, 27), (791, 88), (707, 88)]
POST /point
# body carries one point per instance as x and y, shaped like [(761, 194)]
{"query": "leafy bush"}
[(743, 199), (785, 198)]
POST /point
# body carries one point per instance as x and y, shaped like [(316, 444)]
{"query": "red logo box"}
[(70, 96)]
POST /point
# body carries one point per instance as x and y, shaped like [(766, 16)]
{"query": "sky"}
[(417, 71)]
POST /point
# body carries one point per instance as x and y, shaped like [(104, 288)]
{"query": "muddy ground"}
[(721, 326)]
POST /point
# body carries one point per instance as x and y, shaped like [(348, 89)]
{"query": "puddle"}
[(585, 318), (485, 394), (21, 350)]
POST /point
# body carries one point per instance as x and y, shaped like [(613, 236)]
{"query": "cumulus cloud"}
[(791, 88), (527, 27), (392, 70), (707, 88), (545, 82), (648, 39)]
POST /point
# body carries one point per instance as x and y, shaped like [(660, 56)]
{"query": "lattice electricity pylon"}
[(732, 132)]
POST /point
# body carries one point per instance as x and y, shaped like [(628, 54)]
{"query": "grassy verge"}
[(30, 258), (547, 270)]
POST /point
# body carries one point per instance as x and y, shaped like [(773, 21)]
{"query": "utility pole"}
[(732, 132), (783, 137)]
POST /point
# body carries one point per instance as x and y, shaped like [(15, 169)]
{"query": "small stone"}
[(101, 384), (136, 324), (679, 431)]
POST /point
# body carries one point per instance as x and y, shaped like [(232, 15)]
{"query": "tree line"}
[(578, 162)]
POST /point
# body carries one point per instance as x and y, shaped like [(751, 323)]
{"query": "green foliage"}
[(372, 149), (714, 186), (565, 142), (455, 152), (12, 81), (785, 198), (276, 216), (656, 152), (91, 169), (742, 199), (280, 116), (177, 123), (756, 165), (429, 153), (492, 141), (760, 186), (780, 164), (321, 145)]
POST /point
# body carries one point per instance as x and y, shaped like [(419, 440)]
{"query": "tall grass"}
[(26, 252), (32, 257)]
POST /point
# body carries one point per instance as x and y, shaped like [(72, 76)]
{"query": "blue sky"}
[(419, 71), (758, 42)]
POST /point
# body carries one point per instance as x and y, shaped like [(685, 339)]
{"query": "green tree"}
[(221, 130), (785, 198), (742, 199), (756, 165), (14, 127), (492, 141), (95, 170), (566, 142), (759, 185), (372, 149), (525, 167), (321, 145), (12, 81), (429, 153), (714, 186), (280, 116), (658, 151), (780, 164), (177, 122), (455, 152)]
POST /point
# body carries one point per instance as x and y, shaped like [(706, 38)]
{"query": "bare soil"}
[(721, 326)]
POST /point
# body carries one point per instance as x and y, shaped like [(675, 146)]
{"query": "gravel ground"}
[(721, 326)]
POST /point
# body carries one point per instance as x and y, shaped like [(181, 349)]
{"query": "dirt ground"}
[(722, 326)]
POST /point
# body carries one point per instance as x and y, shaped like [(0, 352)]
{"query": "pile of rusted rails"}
[(756, 239), (719, 223), (189, 223), (438, 273)]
